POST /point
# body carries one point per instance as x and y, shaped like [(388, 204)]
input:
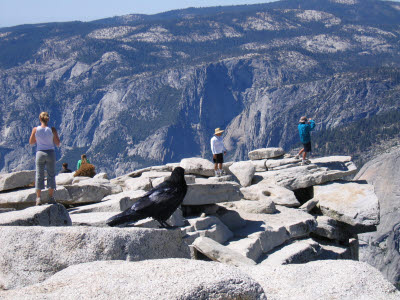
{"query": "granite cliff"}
[(140, 90)]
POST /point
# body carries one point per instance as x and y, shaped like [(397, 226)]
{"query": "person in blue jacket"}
[(305, 127)]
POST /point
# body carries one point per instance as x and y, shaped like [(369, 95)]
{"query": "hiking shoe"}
[(217, 174), (52, 200), (222, 172), (297, 156), (305, 162), (38, 201)]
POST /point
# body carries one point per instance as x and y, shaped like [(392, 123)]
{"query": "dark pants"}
[(307, 147), (219, 158)]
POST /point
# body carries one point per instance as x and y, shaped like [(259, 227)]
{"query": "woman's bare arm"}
[(32, 139), (56, 139)]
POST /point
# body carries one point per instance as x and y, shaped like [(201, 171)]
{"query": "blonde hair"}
[(44, 117), (83, 159)]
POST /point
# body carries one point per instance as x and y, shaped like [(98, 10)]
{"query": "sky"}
[(17, 12)]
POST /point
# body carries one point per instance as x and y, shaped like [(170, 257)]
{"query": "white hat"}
[(218, 130)]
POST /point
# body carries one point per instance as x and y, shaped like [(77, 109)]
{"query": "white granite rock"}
[(267, 191), (230, 218), (24, 198), (16, 180), (51, 249), (324, 279), (272, 164), (163, 168), (44, 215), (211, 193), (259, 165), (309, 205), (330, 159), (78, 179), (306, 176), (210, 227), (198, 166), (190, 179), (266, 153), (155, 174), (260, 241), (297, 252), (114, 188), (353, 203), (381, 248), (80, 194), (297, 222), (243, 171), (101, 176), (151, 279), (215, 179), (112, 203), (138, 183), (97, 219), (331, 229), (217, 252), (158, 180), (175, 220), (264, 232), (330, 251), (65, 178), (264, 206)]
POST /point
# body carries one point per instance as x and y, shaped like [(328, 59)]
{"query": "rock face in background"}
[(381, 248), (144, 90)]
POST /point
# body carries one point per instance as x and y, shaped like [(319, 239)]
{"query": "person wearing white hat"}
[(218, 150)]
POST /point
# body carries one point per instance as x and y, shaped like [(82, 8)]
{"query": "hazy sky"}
[(17, 12)]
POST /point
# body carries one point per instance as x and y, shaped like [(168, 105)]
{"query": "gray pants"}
[(45, 158)]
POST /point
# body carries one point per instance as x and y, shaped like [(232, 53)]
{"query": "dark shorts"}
[(307, 147), (219, 159)]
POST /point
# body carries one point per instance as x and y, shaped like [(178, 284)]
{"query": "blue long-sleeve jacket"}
[(304, 131)]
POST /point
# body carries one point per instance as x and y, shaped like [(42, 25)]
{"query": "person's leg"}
[(304, 155), (39, 178), (299, 154), (215, 166), (51, 174)]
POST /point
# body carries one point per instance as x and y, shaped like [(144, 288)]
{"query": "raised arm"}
[(56, 139), (312, 124), (32, 139)]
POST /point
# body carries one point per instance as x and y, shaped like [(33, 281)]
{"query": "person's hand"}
[(53, 129), (224, 152), (310, 119), (215, 156)]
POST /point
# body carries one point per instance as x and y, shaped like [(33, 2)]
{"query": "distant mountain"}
[(141, 90)]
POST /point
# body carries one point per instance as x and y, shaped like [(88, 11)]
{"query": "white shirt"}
[(44, 138), (217, 145)]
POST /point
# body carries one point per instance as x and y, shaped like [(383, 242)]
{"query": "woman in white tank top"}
[(45, 138)]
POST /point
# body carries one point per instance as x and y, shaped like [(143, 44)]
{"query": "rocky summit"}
[(381, 248), (279, 232), (137, 90)]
